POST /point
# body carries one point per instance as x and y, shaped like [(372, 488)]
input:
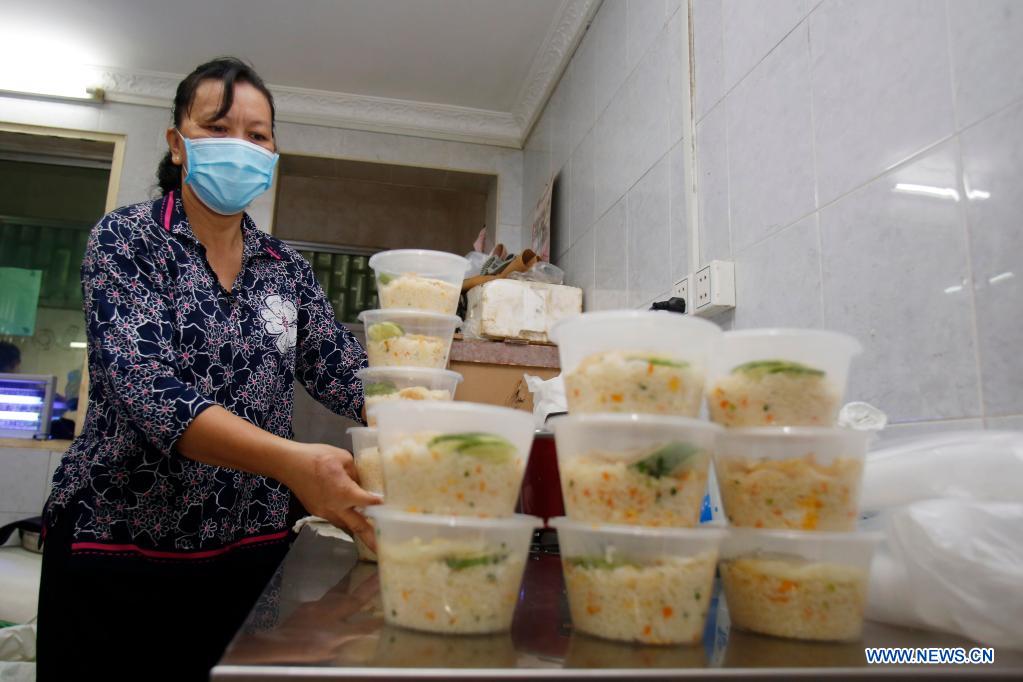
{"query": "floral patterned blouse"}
[(166, 341)]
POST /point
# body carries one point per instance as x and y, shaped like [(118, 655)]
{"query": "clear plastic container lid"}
[(638, 543), (440, 265), (408, 525), (362, 437), (854, 549), (578, 434), (680, 336), (413, 321), (399, 418), (787, 442), (829, 351), (407, 377)]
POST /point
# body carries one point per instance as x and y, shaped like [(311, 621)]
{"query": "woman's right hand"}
[(325, 481)]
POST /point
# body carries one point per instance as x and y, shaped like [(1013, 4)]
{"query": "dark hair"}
[(227, 70), (10, 356)]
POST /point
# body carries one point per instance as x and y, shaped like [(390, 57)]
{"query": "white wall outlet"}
[(681, 290), (714, 288)]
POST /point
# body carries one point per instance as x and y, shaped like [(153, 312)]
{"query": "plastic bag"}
[(476, 260), (548, 397), (951, 510), (541, 272)]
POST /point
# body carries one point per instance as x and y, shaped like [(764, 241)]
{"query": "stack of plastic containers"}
[(793, 565), (450, 548), (633, 461), (408, 339)]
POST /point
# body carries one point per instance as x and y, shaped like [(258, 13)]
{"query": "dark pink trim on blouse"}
[(168, 202), (162, 554), (272, 252)]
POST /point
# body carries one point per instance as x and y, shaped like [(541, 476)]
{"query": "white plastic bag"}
[(548, 397), (951, 509)]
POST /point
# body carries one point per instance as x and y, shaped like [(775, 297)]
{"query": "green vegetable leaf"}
[(482, 445), (385, 279), (460, 563), (659, 361), (380, 388), (383, 331), (761, 368), (665, 460), (599, 563)]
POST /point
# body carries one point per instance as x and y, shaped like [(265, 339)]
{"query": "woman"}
[(170, 512)]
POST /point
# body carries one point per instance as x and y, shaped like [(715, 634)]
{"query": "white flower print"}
[(280, 320)]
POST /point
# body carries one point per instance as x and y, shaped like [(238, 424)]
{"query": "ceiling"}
[(489, 63)]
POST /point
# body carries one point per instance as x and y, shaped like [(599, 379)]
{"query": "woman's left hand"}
[(324, 479)]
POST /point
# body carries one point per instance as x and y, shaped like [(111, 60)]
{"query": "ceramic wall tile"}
[(1013, 423), (611, 145), (895, 276), (610, 286), (896, 432), (581, 90), (644, 20), (712, 187), (514, 237), (561, 239), (993, 180), (678, 76), (579, 265), (678, 216), (708, 66), (22, 483), (770, 146), (987, 50), (509, 189), (581, 215), (881, 87), (610, 30), (649, 246), (778, 281), (751, 29), (557, 109), (649, 102)]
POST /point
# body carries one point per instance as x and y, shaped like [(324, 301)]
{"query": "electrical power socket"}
[(714, 289), (681, 290)]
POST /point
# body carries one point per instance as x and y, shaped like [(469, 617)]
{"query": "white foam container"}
[(686, 338), (416, 322)]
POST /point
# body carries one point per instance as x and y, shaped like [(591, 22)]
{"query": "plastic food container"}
[(408, 338), (450, 574), (453, 458), (635, 361), (793, 477), (798, 585), (419, 279), (636, 469), (371, 472), (383, 384), (779, 377), (635, 584)]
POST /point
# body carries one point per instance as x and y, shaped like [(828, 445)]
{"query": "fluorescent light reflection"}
[(1001, 277), (19, 416), (77, 344), (954, 290), (20, 400), (928, 191)]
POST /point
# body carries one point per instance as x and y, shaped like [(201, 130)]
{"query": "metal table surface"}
[(320, 618)]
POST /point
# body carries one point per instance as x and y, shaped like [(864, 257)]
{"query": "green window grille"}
[(345, 276), (54, 246)]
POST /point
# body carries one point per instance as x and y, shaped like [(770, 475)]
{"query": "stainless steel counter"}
[(320, 619)]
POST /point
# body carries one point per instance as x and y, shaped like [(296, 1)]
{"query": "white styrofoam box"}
[(513, 309)]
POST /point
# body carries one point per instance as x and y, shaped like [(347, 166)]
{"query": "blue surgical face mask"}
[(227, 173)]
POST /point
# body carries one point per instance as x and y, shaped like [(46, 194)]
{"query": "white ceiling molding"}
[(551, 60), (403, 117)]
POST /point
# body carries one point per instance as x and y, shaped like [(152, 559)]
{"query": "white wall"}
[(612, 134), (808, 115), (145, 126)]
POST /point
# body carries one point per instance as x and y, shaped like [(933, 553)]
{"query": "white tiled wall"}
[(612, 136), (25, 475), (145, 127), (808, 115)]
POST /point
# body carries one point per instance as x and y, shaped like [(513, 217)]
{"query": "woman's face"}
[(248, 119)]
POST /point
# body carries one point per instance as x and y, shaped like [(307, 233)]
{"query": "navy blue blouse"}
[(166, 341)]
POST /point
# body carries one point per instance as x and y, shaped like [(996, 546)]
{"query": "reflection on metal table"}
[(320, 618)]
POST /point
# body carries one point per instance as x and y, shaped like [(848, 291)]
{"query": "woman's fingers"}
[(359, 527)]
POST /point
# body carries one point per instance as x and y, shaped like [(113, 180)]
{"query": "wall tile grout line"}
[(816, 177)]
